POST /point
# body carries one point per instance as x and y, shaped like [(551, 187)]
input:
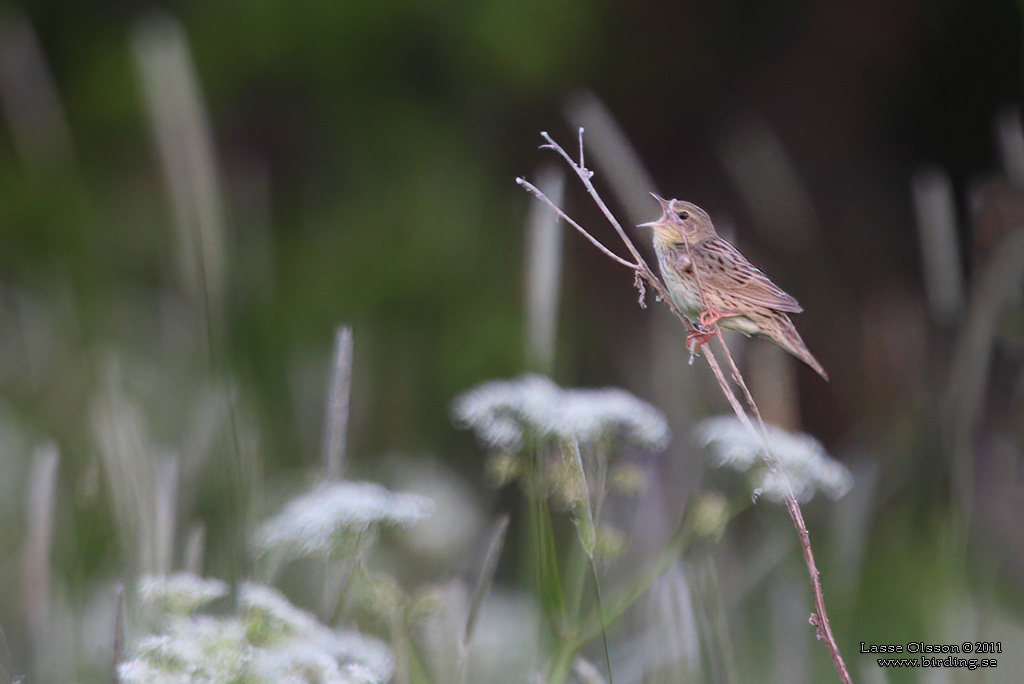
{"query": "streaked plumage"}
[(736, 294)]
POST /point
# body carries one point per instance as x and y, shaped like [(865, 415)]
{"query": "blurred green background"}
[(359, 168)]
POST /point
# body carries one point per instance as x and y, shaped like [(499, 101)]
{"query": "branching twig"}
[(535, 191), (643, 272), (585, 175)]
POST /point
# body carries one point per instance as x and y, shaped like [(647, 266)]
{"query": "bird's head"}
[(681, 219)]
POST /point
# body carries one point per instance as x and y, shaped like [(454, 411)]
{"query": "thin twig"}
[(582, 165), (727, 391), (535, 191), (642, 269), (819, 618), (737, 378), (585, 175)]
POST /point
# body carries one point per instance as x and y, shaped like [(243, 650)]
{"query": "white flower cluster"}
[(802, 462), (505, 414), (274, 614), (271, 641), (315, 522)]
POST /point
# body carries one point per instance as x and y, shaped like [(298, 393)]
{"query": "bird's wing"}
[(724, 269)]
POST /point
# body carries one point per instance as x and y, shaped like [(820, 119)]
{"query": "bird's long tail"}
[(780, 329)]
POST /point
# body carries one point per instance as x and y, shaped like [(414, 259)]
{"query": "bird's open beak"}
[(661, 200), (664, 208)]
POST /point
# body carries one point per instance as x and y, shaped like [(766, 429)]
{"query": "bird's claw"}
[(704, 330), (698, 337)]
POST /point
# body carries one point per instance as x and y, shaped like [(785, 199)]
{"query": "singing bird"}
[(711, 282)]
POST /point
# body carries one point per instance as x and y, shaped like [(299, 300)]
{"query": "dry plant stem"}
[(726, 390), (819, 618), (737, 378), (640, 267), (585, 175), (536, 192)]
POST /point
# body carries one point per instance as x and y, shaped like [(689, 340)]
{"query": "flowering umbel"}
[(801, 462)]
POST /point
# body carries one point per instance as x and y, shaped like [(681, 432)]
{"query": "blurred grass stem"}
[(40, 506), (935, 208), (166, 514), (586, 529), (183, 136), (996, 287), (483, 587), (184, 141), (195, 545), (543, 274), (339, 392), (118, 651), (29, 97)]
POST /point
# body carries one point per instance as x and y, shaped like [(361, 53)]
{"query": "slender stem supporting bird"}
[(819, 619)]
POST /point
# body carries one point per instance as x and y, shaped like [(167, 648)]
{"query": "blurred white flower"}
[(317, 521), (506, 413), (297, 663), (139, 671), (276, 614), (203, 649), (270, 616), (802, 461), (366, 659), (182, 593), (272, 642)]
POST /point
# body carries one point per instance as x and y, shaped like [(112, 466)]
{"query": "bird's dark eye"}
[(684, 214)]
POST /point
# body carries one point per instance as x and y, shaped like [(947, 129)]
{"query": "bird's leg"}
[(706, 328), (697, 338)]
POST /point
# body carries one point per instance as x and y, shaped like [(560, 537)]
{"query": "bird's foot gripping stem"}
[(697, 338), (706, 328)]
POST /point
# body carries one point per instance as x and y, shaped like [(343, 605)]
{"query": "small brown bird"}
[(711, 282)]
